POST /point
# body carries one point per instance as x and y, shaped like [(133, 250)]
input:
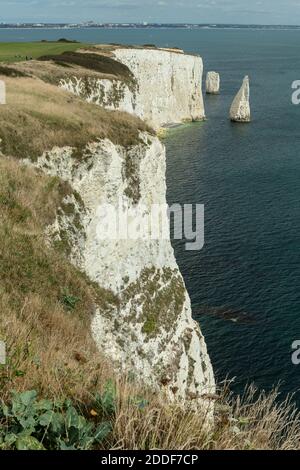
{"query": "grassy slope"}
[(36, 286), (17, 51), (39, 116), (89, 65)]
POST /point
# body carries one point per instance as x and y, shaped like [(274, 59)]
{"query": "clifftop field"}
[(17, 51)]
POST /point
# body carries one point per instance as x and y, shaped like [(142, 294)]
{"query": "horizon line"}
[(142, 23)]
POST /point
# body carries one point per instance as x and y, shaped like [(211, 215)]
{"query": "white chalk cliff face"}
[(148, 329), (167, 89), (240, 108), (212, 83)]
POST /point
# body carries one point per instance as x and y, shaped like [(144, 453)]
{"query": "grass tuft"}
[(39, 116)]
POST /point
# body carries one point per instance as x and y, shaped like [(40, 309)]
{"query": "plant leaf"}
[(102, 431), (29, 443), (27, 398)]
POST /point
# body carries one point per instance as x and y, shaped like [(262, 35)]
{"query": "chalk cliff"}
[(148, 331), (240, 108), (212, 83), (167, 87)]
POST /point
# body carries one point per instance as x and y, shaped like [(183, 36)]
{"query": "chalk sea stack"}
[(240, 108), (212, 83)]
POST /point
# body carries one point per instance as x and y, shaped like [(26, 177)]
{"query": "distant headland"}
[(92, 24)]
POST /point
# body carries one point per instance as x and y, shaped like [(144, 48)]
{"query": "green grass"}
[(17, 51)]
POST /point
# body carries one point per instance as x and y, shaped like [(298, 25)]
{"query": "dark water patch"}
[(226, 313)]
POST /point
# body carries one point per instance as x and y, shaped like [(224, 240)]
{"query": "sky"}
[(174, 11)]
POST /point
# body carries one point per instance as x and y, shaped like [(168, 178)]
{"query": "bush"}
[(90, 61), (31, 424)]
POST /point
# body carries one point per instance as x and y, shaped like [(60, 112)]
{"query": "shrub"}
[(11, 72), (27, 423), (98, 63)]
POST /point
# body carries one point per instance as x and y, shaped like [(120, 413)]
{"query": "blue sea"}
[(245, 282)]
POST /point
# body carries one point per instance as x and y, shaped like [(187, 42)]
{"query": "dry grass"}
[(11, 72), (108, 49), (52, 73), (39, 116), (255, 421), (145, 421), (35, 285)]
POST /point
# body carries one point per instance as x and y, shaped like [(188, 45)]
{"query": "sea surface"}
[(245, 282)]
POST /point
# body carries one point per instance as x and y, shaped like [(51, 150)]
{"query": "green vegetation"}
[(160, 294), (27, 423), (96, 62), (18, 51), (131, 172), (11, 72), (70, 301)]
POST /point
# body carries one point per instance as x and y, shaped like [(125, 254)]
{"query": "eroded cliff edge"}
[(148, 329), (166, 86)]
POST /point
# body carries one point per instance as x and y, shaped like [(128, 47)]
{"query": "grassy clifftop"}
[(38, 115), (18, 51)]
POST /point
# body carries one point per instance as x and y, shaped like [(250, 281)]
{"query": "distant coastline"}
[(145, 25)]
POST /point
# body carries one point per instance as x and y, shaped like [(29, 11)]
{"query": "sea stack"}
[(240, 108), (212, 83)]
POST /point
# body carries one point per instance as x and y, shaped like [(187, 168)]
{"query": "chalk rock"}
[(149, 330), (212, 83), (167, 88), (240, 108)]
